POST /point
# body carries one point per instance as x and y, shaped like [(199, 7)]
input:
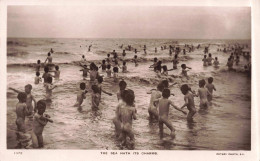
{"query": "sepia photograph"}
[(128, 77)]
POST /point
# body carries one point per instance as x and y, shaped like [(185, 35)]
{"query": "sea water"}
[(225, 125)]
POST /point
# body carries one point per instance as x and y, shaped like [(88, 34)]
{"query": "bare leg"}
[(161, 128), (40, 141), (35, 140), (190, 115), (117, 124), (169, 125)]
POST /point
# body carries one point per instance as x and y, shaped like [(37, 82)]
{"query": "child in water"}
[(103, 66), (184, 71), (95, 98), (216, 62), (39, 121), (46, 74), (81, 95), (189, 102), (205, 61), (165, 70), (135, 61), (83, 59), (100, 80), (29, 98), (116, 121), (155, 95), (108, 71), (203, 94), (122, 86), (38, 66), (115, 75), (85, 71), (56, 73), (124, 68), (210, 88), (49, 87), (126, 114), (49, 58), (175, 61), (21, 112), (164, 104), (108, 59), (209, 59), (37, 79), (154, 64)]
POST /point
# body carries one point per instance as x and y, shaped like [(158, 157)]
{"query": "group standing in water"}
[(125, 111)]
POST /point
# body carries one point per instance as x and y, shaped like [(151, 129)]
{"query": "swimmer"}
[(49, 58), (37, 79), (115, 75), (189, 102), (230, 63), (135, 61), (108, 59), (83, 59), (81, 95), (85, 71), (99, 85), (38, 66), (155, 95), (165, 70), (39, 121), (175, 61), (126, 113), (103, 66), (184, 70), (122, 86), (164, 104), (95, 98), (49, 87), (124, 68), (203, 94), (21, 112), (108, 71), (154, 64), (56, 72), (205, 61), (46, 74), (123, 55), (29, 98), (210, 88), (209, 59), (216, 62)]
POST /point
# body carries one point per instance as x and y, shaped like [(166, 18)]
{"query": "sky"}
[(173, 22)]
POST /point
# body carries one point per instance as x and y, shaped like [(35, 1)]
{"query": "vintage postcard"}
[(128, 81)]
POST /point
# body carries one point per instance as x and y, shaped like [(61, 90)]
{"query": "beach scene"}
[(220, 123)]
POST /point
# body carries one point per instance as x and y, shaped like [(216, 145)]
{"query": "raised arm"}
[(15, 90)]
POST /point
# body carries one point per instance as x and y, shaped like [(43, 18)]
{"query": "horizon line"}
[(131, 38)]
